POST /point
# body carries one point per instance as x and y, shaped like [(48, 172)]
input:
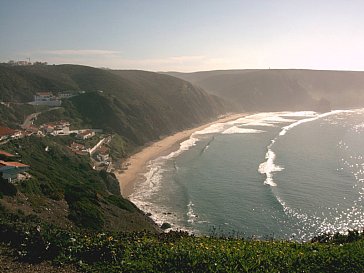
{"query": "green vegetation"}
[(139, 106), (136, 107), (117, 147), (12, 114), (58, 174), (84, 207), (7, 188), (178, 251)]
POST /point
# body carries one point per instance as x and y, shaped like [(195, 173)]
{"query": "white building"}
[(46, 98)]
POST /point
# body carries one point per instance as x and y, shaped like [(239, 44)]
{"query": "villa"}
[(11, 170)]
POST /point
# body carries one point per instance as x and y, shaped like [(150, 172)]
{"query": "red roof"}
[(5, 131), (12, 164), (75, 145), (5, 153), (103, 150), (86, 132)]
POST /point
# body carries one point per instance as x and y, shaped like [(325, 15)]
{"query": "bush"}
[(86, 215), (7, 188), (84, 207), (121, 203)]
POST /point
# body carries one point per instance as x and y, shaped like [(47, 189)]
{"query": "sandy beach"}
[(137, 163)]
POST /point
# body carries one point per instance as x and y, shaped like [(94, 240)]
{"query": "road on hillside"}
[(28, 122)]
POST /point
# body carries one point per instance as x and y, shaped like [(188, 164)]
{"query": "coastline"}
[(137, 163)]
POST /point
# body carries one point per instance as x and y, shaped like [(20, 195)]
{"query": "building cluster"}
[(8, 133), (103, 154), (50, 99), (98, 153), (25, 63), (55, 128)]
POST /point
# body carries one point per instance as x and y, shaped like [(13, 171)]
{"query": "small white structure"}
[(65, 95)]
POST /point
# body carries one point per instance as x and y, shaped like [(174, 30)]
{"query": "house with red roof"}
[(5, 155), (11, 170), (103, 154), (6, 132), (78, 148), (85, 134)]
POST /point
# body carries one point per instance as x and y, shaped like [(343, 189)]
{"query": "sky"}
[(185, 35)]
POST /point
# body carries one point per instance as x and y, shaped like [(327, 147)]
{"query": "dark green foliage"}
[(7, 188), (165, 226), (139, 106), (338, 238), (13, 114), (121, 203), (117, 147), (59, 174), (175, 251), (84, 207), (30, 187), (111, 182), (86, 214)]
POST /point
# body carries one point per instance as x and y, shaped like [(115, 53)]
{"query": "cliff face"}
[(267, 90)]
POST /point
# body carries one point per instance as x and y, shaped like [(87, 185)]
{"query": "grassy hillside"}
[(136, 107), (34, 241), (282, 89), (66, 191), (140, 106)]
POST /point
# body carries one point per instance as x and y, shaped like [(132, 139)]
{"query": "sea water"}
[(288, 175)]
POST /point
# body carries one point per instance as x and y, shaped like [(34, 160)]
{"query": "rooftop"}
[(6, 154), (44, 94), (12, 164), (5, 131)]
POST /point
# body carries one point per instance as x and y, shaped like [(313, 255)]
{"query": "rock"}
[(165, 226)]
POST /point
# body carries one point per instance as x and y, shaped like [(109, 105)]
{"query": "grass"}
[(178, 251), (59, 174)]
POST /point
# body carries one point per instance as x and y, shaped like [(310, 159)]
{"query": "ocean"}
[(282, 175)]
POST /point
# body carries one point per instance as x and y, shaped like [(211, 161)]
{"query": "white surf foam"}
[(238, 130), (183, 146), (278, 119), (190, 213), (212, 129), (300, 114), (268, 168), (314, 117)]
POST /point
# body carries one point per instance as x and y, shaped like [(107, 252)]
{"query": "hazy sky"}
[(165, 35)]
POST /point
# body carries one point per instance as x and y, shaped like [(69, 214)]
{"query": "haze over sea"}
[(290, 175)]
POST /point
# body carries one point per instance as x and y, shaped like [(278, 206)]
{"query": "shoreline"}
[(138, 162)]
